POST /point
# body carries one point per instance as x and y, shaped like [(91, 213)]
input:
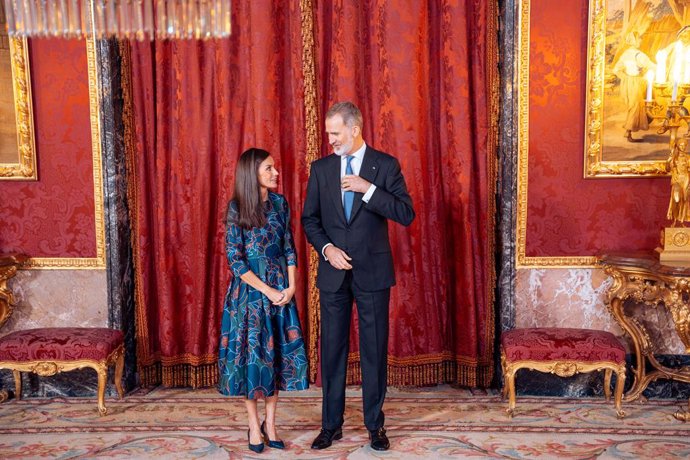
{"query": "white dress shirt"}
[(356, 165)]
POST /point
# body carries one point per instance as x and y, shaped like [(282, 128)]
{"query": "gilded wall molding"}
[(522, 261), (98, 262), (25, 169)]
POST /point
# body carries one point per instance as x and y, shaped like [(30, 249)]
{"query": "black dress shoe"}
[(379, 441), (274, 444), (326, 438), (258, 448)]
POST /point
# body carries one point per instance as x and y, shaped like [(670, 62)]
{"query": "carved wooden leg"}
[(17, 384), (102, 372), (607, 384), (683, 415), (618, 395), (510, 383), (119, 368), (504, 392)]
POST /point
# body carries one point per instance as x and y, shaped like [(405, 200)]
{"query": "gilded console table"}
[(9, 264), (640, 277)]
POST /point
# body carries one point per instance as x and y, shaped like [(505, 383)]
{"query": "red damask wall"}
[(54, 216), (568, 215)]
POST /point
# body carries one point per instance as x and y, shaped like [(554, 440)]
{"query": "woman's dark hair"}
[(248, 190)]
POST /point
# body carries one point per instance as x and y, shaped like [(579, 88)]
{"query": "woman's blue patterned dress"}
[(261, 345)]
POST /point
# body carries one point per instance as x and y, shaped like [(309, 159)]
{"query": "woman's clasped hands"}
[(280, 298)]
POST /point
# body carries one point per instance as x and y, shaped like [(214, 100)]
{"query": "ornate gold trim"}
[(419, 360), (55, 263), (98, 262), (46, 368), (311, 122), (492, 66), (429, 370), (521, 260), (647, 285), (96, 129), (594, 166), (564, 368), (6, 300), (8, 268), (25, 169), (145, 360)]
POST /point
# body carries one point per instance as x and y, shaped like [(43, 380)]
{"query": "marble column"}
[(507, 163), (119, 261), (507, 169)]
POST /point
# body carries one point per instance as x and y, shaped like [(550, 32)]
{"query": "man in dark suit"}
[(351, 195)]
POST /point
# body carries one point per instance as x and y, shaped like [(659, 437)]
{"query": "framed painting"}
[(17, 144), (631, 48)]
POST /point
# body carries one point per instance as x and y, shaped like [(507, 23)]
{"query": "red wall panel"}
[(54, 216), (566, 214)]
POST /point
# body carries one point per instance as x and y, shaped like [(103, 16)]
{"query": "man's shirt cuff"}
[(323, 250), (370, 192)]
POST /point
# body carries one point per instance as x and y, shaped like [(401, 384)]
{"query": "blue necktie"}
[(349, 196)]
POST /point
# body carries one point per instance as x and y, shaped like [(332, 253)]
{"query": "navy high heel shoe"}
[(273, 444), (258, 448)]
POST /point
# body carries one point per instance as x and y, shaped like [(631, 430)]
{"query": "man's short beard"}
[(344, 149)]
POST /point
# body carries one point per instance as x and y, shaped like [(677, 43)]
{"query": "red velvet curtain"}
[(424, 75), (197, 105)]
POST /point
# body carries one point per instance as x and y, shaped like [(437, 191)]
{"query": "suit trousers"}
[(336, 312)]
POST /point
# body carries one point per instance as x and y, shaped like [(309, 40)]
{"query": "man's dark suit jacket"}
[(365, 237)]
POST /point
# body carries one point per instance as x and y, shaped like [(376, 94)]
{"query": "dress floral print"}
[(261, 345)]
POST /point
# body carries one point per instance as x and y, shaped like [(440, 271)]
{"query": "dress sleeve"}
[(234, 246), (288, 241)]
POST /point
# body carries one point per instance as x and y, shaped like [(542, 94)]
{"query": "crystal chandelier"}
[(139, 19)]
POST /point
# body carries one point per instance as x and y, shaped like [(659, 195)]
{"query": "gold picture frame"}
[(21, 166), (25, 167), (620, 140), (522, 260), (98, 262)]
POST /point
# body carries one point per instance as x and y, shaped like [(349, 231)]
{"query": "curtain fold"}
[(197, 106), (424, 75)]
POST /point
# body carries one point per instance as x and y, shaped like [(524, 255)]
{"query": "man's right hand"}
[(337, 258)]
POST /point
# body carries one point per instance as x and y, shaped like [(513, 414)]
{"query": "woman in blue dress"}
[(261, 344)]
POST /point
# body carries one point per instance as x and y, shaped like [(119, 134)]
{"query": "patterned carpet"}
[(431, 423)]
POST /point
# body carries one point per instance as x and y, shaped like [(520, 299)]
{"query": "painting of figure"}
[(647, 61)]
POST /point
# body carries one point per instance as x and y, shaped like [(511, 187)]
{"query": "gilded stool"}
[(564, 352), (48, 351)]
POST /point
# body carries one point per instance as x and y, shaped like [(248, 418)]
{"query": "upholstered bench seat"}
[(564, 352), (48, 351)]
